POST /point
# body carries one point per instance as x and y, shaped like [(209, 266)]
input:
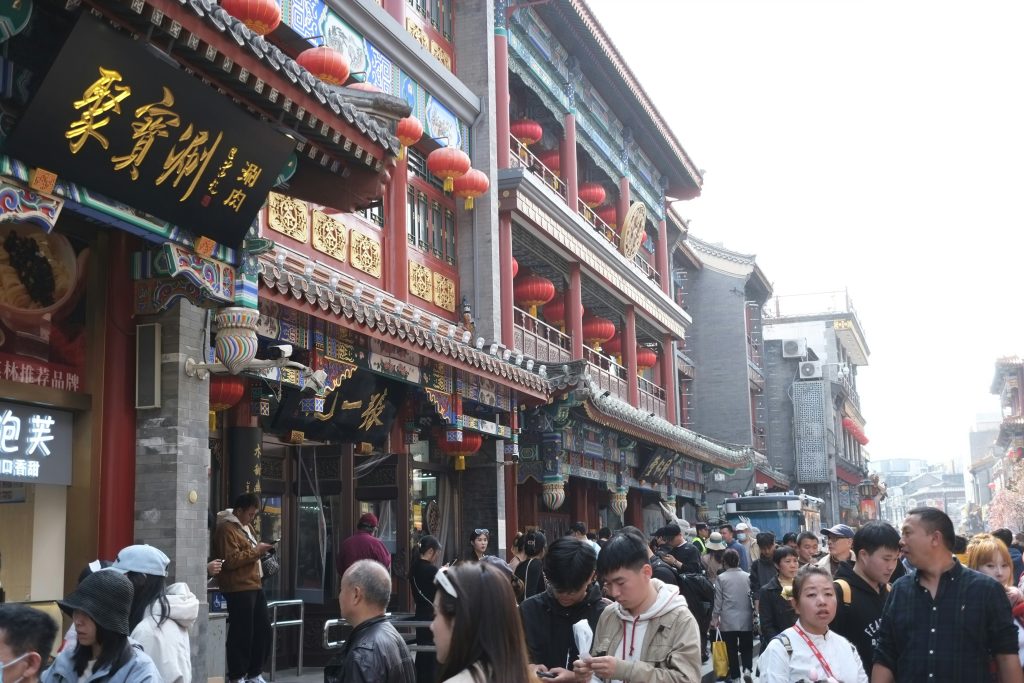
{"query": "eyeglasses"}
[(442, 580), (482, 531)]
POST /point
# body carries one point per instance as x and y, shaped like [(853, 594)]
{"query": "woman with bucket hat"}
[(160, 615), (99, 608)]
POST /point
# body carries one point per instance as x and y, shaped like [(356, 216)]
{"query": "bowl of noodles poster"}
[(42, 277)]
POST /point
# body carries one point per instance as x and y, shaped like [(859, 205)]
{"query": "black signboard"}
[(657, 467), (117, 119), (35, 444)]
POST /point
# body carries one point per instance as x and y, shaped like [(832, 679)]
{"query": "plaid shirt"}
[(952, 637)]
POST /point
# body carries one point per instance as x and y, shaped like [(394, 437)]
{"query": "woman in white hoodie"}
[(160, 616)]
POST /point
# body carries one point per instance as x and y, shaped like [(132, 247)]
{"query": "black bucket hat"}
[(106, 596)]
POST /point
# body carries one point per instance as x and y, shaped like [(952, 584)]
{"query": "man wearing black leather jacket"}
[(374, 652), (571, 595)]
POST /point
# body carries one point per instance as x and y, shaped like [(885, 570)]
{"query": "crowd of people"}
[(881, 604)]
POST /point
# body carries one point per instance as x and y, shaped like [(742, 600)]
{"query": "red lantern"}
[(532, 290), (330, 66), (471, 185), (552, 159), (592, 194), (448, 163), (645, 358), (597, 330), (226, 391), (554, 312), (515, 267), (260, 16), (610, 215), (470, 444), (527, 131), (614, 346), (408, 131)]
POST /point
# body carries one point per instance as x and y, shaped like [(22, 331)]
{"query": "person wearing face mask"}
[(26, 640), (733, 543)]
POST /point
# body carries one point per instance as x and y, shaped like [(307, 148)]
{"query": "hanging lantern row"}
[(527, 131), (531, 291), (592, 194), (645, 358), (408, 131), (854, 429), (330, 66), (259, 16), (597, 330), (470, 186), (459, 445)]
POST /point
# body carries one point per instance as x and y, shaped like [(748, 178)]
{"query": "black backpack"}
[(698, 590)]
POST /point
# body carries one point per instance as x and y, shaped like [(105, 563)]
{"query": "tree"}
[(1007, 506)]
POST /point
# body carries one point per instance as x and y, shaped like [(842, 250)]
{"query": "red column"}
[(570, 171), (623, 204), (635, 509), (505, 272), (501, 123), (574, 310), (669, 378), (661, 258), (117, 459), (579, 501), (629, 355), (397, 268)]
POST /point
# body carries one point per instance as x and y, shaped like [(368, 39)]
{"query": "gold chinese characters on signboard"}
[(288, 216), (364, 254), (421, 282), (330, 236)]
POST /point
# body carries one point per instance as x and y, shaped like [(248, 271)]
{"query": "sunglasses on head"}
[(444, 581), (481, 531)]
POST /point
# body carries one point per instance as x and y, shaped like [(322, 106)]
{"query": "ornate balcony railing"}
[(607, 374), (540, 341), (523, 157), (652, 397)]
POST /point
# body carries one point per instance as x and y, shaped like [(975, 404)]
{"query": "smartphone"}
[(546, 674)]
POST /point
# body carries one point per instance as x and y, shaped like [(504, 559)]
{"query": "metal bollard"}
[(274, 623)]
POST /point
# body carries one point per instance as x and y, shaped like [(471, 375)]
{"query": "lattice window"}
[(809, 422)]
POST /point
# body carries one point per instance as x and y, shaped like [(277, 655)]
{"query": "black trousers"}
[(248, 633), (740, 645)]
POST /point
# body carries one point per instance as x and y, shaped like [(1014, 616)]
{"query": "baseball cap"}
[(839, 530), (742, 526), (368, 519), (143, 559)]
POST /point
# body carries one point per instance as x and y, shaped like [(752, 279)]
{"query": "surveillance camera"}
[(281, 351), (315, 382)]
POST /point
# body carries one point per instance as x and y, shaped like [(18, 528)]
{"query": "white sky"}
[(876, 145)]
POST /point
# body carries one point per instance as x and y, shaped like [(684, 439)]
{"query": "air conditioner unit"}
[(810, 369), (794, 348)]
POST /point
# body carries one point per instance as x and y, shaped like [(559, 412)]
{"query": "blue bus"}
[(780, 513)]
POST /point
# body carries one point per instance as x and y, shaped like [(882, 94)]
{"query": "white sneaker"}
[(258, 679)]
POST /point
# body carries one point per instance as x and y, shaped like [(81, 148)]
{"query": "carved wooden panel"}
[(365, 254), (444, 292), (439, 53), (288, 216), (330, 236), (417, 32), (421, 281)]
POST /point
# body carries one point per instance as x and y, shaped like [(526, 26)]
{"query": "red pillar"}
[(635, 509), (501, 95), (117, 459), (669, 378), (629, 355), (574, 310), (397, 267), (570, 171), (505, 272), (623, 204), (661, 258)]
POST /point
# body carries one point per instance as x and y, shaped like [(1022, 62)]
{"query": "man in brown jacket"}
[(648, 635), (241, 582)]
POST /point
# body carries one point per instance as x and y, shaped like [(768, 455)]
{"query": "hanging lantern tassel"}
[(471, 185), (409, 131), (448, 163)]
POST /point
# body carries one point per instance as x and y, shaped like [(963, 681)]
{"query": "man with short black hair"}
[(763, 570), (679, 554), (729, 536), (604, 534), (942, 621), (571, 595), (648, 634), (700, 540), (863, 587), (374, 652), (26, 640), (806, 548), (840, 548), (579, 531)]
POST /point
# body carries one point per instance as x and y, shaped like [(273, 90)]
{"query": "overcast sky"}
[(871, 145)]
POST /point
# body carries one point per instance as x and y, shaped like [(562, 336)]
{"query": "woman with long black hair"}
[(421, 578), (161, 615), (531, 571), (99, 608)]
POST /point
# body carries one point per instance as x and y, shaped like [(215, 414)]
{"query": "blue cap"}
[(839, 530), (143, 559)]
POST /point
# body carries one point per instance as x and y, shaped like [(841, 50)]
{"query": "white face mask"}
[(13, 661), (741, 537)]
